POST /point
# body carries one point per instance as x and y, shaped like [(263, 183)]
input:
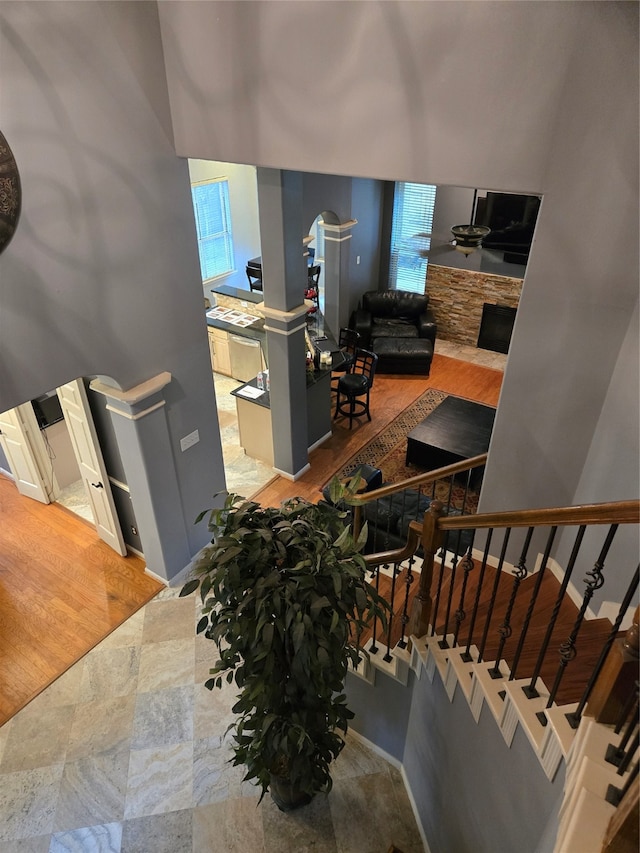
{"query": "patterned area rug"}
[(387, 451)]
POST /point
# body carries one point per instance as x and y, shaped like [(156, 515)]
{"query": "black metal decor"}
[(574, 717), (10, 194), (593, 581), (532, 604), (505, 630), (466, 656), (409, 579)]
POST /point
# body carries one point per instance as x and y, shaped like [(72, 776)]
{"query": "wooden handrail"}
[(418, 480), (397, 555), (616, 512)]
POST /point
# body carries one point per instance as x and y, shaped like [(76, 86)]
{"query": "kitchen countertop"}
[(318, 331)]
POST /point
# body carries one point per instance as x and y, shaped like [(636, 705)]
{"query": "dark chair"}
[(313, 277), (355, 385), (255, 278), (399, 327), (348, 342)]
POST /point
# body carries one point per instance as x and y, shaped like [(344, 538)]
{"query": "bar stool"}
[(348, 344), (355, 385)]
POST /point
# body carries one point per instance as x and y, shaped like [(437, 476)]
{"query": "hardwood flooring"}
[(591, 638), (390, 395), (62, 591)]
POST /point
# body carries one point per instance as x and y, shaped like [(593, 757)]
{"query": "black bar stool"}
[(353, 388)]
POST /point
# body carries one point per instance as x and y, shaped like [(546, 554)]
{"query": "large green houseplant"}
[(285, 600)]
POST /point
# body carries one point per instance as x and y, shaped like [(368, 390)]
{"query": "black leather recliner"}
[(398, 326)]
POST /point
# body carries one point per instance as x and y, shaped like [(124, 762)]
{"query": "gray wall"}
[(545, 114), (350, 198), (471, 790), (102, 276)]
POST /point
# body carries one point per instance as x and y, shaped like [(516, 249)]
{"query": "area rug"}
[(387, 451)]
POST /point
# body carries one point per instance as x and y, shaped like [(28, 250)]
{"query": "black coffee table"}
[(457, 429)]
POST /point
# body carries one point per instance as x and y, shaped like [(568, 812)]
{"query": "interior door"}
[(77, 414), (17, 446)]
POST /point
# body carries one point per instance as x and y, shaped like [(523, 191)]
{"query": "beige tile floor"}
[(244, 474), (127, 753)]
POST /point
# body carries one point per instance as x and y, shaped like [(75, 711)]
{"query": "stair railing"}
[(391, 513), (437, 580)]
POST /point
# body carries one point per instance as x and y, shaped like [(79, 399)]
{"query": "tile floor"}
[(244, 474), (127, 753)]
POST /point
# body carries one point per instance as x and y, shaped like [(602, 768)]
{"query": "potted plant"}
[(285, 600)]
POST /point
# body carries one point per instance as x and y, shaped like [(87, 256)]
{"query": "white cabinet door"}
[(77, 414), (14, 438)]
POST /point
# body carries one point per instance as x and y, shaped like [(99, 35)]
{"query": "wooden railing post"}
[(431, 541), (616, 681), (622, 834)]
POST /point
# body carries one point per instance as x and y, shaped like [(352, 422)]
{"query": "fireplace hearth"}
[(496, 327)]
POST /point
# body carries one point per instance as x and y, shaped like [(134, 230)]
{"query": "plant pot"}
[(285, 795)]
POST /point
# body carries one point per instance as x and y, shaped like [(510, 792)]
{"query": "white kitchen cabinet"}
[(219, 350)]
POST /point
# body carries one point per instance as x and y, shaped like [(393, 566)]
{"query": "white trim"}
[(137, 415), (119, 484), (394, 762), (414, 808), (135, 394), (140, 554), (572, 591), (609, 610), (293, 477), (320, 441), (337, 239), (337, 227), (156, 577)]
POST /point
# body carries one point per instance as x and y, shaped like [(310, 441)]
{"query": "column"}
[(142, 433), (336, 278), (284, 274)]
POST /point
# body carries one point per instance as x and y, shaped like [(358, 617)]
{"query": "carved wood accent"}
[(622, 835), (617, 678), (431, 540)]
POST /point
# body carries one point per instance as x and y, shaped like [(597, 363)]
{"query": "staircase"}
[(519, 636)]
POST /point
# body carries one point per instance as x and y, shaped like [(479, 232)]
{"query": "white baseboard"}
[(399, 766), (293, 477)]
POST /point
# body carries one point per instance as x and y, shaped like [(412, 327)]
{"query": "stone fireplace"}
[(457, 298)]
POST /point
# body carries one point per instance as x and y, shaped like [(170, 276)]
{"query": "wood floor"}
[(592, 635), (390, 395), (62, 591)]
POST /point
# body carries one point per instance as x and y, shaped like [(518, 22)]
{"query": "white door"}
[(15, 441), (75, 407)]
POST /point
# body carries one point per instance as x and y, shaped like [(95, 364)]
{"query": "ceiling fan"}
[(465, 239)]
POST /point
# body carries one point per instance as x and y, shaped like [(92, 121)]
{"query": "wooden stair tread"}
[(589, 642)]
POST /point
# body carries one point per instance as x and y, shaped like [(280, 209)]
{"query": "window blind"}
[(213, 227), (411, 227)]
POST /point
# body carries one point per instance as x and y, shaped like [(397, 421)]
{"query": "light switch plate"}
[(189, 440)]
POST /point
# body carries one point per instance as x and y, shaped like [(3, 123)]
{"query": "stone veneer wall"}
[(456, 298)]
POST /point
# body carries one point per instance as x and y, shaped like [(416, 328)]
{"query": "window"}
[(411, 235), (213, 227)]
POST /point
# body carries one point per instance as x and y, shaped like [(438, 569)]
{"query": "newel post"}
[(431, 540), (617, 678)]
